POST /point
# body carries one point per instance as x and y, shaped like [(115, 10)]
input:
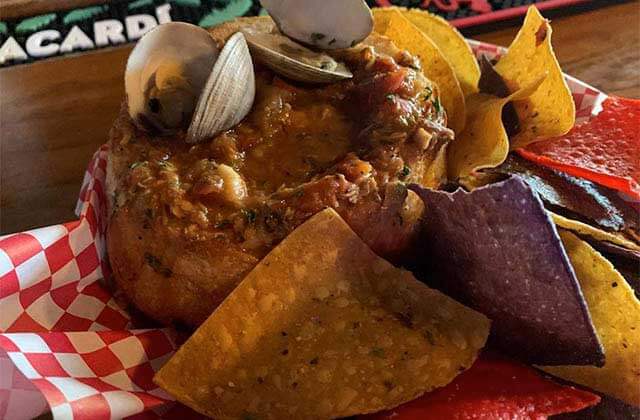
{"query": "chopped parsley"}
[(333, 41), (354, 43), (436, 105), (390, 97), (404, 173), (427, 93)]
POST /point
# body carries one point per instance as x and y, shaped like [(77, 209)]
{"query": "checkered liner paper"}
[(65, 345)]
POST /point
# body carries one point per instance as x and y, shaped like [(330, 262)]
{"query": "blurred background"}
[(62, 65)]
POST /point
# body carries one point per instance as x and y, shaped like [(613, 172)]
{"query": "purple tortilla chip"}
[(496, 250), (573, 197)]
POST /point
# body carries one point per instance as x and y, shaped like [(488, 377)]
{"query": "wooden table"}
[(55, 113)]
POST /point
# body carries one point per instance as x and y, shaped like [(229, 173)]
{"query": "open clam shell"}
[(228, 94), (166, 71), (294, 61), (326, 24)]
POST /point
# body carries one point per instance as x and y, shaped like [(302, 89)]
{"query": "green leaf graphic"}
[(3, 28), (139, 3), (35, 23), (234, 9), (86, 13), (188, 3)]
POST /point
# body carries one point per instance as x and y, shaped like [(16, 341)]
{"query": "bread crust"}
[(175, 280)]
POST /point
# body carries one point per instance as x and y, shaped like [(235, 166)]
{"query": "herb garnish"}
[(436, 105), (404, 173), (428, 92)]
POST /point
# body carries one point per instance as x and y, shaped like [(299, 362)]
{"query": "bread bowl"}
[(188, 221)]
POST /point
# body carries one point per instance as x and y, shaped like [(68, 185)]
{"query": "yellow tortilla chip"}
[(484, 142), (323, 328), (452, 44), (616, 315), (435, 65), (550, 111), (584, 229)]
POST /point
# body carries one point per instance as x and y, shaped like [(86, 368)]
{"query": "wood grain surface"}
[(54, 114)]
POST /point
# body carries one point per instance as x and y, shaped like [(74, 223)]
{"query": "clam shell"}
[(294, 61), (186, 50), (228, 94), (326, 24)]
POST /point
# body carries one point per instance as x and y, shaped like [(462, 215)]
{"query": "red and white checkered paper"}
[(65, 345)]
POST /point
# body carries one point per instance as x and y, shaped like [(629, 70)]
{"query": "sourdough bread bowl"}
[(188, 221)]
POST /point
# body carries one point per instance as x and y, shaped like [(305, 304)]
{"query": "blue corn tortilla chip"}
[(496, 250), (576, 198)]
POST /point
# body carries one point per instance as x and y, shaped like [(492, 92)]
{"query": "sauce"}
[(302, 148)]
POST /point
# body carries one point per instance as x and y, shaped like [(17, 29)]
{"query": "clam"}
[(177, 77), (327, 24), (166, 71), (294, 61), (228, 94)]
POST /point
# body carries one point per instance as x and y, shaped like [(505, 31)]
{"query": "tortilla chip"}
[(604, 149), (576, 197), (616, 315), (484, 142), (494, 388), (405, 35), (496, 250), (452, 44), (323, 328), (550, 111), (607, 409), (583, 229)]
